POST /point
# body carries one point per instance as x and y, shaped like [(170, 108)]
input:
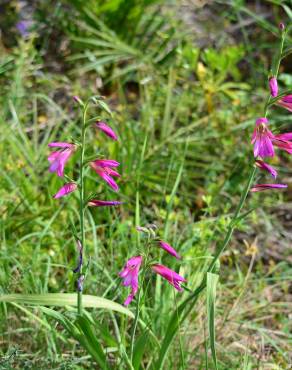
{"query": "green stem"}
[(233, 220), (81, 200), (280, 54), (276, 70)]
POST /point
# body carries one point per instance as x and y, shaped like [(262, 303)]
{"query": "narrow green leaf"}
[(65, 299), (139, 349), (90, 341), (212, 280)]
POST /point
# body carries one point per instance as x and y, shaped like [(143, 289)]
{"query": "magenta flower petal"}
[(53, 156), (109, 180), (283, 144), (61, 144), (130, 274), (111, 172), (264, 166), (262, 139), (285, 102), (262, 187), (105, 173), (103, 203), (286, 136), (106, 163), (273, 84), (107, 130), (65, 190), (169, 249), (171, 276), (261, 120), (58, 159)]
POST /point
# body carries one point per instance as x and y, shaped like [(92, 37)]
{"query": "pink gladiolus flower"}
[(103, 203), (130, 274), (106, 163), (283, 141), (262, 187), (283, 144), (58, 159), (262, 139), (105, 173), (286, 136), (285, 102), (107, 130), (65, 190), (171, 276), (169, 249), (264, 166), (273, 84)]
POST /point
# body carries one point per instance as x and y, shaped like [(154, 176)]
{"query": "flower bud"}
[(78, 100), (273, 84)]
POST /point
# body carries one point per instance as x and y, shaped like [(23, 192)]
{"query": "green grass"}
[(184, 144)]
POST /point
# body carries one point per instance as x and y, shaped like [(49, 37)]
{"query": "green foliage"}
[(183, 106)]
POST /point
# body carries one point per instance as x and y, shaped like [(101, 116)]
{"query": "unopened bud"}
[(282, 26), (78, 100)]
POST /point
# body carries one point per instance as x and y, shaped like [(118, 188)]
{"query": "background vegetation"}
[(186, 80)]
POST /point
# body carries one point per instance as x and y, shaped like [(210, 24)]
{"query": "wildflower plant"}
[(146, 260), (144, 265), (105, 168), (139, 270)]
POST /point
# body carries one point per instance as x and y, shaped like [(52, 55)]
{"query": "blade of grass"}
[(212, 280)]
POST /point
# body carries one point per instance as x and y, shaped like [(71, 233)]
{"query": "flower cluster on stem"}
[(103, 167)]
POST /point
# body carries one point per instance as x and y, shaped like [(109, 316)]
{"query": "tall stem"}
[(81, 200)]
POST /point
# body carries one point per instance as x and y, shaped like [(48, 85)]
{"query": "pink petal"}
[(53, 156), (262, 187), (285, 102), (107, 130), (285, 145), (169, 249), (65, 190), (106, 163), (285, 136), (171, 276), (261, 120), (61, 144), (264, 166), (130, 274)]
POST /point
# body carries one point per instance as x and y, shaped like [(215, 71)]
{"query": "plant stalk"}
[(81, 200)]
